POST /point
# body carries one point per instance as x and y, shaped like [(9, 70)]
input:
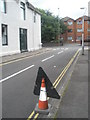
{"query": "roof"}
[(30, 6), (65, 19), (86, 18)]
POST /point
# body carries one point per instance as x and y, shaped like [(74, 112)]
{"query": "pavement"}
[(74, 103)]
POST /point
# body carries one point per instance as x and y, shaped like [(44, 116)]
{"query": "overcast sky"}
[(70, 8)]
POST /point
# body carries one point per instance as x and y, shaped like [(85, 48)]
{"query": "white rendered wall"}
[(13, 19)]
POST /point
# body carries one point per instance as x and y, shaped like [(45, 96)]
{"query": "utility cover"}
[(51, 91)]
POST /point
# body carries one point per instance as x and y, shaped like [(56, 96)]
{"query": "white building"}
[(20, 27), (89, 8)]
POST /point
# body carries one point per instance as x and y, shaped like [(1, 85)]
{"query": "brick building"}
[(74, 32), (70, 33)]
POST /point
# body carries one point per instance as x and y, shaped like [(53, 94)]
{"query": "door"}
[(23, 40)]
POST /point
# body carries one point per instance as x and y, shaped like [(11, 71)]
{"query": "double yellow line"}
[(57, 81), (22, 58)]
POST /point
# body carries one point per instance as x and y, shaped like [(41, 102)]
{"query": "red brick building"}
[(74, 32)]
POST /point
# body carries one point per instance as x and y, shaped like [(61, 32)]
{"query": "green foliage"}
[(51, 26)]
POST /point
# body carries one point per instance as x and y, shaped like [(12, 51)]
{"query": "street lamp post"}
[(82, 33), (58, 23)]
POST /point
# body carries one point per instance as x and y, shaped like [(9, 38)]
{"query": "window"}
[(79, 30), (88, 37), (79, 38), (88, 29), (70, 30), (79, 22), (70, 38), (4, 35), (34, 17), (3, 6), (22, 6), (88, 22), (70, 22)]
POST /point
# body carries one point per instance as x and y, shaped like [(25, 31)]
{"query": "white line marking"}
[(58, 48), (86, 48), (60, 52), (62, 48), (16, 73), (54, 49), (47, 58), (66, 48)]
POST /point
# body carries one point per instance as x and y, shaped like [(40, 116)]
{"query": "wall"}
[(89, 8), (14, 22), (11, 19)]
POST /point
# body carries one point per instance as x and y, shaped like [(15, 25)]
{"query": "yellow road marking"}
[(57, 81), (36, 116), (31, 115), (63, 71), (19, 59), (62, 75)]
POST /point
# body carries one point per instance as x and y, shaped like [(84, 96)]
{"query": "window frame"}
[(70, 37), (79, 29), (4, 6), (22, 6), (70, 23), (6, 36), (88, 22), (79, 22), (88, 29), (70, 30), (79, 37), (34, 17)]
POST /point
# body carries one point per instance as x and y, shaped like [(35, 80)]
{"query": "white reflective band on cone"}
[(43, 94)]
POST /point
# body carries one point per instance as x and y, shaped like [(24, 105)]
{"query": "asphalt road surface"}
[(18, 78)]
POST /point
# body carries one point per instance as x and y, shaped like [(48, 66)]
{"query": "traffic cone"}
[(43, 103), (42, 106)]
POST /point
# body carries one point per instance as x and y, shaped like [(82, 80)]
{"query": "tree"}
[(51, 26)]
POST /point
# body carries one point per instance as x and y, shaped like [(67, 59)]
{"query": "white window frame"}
[(70, 30), (69, 37), (88, 22), (34, 17), (23, 11), (70, 22), (79, 22), (4, 35), (79, 37), (88, 29), (3, 6), (79, 29), (88, 37)]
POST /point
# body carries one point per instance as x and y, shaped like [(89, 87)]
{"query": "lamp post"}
[(58, 23), (82, 32)]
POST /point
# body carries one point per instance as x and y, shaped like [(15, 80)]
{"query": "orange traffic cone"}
[(42, 106), (43, 103)]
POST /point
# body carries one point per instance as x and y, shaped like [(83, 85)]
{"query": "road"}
[(18, 78)]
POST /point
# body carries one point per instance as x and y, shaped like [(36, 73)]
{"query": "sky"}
[(63, 8)]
